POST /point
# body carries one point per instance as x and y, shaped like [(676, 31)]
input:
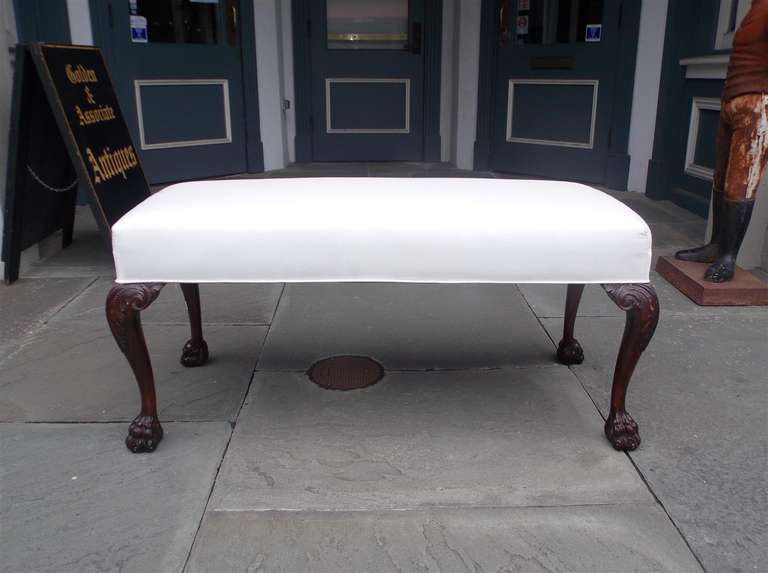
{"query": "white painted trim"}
[(468, 19), (724, 38), (706, 67), (138, 84), (286, 56), (405, 81), (691, 168), (80, 28), (645, 96), (270, 63), (559, 82)]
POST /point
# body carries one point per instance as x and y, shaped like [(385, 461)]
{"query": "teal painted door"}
[(554, 81), (367, 80), (177, 68)]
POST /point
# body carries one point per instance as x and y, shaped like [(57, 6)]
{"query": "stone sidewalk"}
[(476, 452)]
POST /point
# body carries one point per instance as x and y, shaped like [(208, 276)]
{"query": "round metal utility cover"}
[(346, 372)]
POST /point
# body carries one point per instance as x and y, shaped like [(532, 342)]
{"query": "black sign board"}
[(66, 126)]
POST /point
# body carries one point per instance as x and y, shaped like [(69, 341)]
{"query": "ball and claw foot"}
[(570, 352), (722, 270), (621, 430), (706, 254), (144, 434), (194, 354)]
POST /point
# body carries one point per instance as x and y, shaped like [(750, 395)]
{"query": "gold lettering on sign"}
[(97, 115), (79, 74), (111, 163)]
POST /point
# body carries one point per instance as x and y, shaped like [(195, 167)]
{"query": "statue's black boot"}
[(735, 219), (709, 252)]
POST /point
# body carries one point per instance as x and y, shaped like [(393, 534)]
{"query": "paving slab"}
[(672, 235), (674, 303), (700, 397), (74, 371), (75, 499), (87, 256), (548, 301), (221, 304), (651, 211), (596, 539), (28, 303), (406, 326), (511, 437)]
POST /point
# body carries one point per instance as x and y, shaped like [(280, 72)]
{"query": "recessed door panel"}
[(555, 73), (367, 80), (178, 68)]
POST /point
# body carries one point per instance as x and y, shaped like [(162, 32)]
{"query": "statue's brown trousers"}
[(742, 146)]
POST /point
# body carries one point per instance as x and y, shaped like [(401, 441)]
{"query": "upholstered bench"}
[(416, 230)]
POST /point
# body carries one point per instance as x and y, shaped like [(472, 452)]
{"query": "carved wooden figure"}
[(640, 303), (124, 305)]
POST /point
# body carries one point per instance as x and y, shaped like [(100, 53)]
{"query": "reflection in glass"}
[(190, 21), (367, 24), (556, 21)]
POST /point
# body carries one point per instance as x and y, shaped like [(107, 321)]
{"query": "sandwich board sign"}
[(66, 130)]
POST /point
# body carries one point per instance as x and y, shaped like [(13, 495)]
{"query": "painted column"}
[(80, 28), (268, 22), (468, 68), (650, 51), (289, 116)]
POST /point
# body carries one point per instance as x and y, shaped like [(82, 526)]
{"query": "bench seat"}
[(381, 230)]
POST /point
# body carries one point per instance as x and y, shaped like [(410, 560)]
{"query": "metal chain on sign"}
[(37, 178)]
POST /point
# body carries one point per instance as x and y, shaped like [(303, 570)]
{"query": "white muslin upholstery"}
[(422, 230)]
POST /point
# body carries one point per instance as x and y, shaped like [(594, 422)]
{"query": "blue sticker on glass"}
[(139, 30), (594, 33)]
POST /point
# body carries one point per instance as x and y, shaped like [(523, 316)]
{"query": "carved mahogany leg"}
[(124, 305), (642, 308), (569, 350), (195, 351)]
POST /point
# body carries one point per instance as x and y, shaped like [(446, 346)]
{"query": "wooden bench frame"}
[(126, 301)]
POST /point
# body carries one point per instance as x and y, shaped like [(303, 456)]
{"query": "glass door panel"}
[(367, 24)]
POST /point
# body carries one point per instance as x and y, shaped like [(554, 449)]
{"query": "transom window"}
[(367, 24), (186, 21)]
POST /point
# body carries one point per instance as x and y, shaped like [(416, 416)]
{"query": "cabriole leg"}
[(124, 305), (195, 351), (640, 303), (569, 350)]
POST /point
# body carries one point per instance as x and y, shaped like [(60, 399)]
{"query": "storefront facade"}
[(584, 90)]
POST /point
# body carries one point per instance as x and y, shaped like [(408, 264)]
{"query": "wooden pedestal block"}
[(744, 290)]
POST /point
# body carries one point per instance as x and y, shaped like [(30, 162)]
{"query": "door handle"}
[(504, 34), (416, 38)]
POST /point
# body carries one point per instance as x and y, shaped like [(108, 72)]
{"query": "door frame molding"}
[(617, 170), (302, 71), (103, 37)]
